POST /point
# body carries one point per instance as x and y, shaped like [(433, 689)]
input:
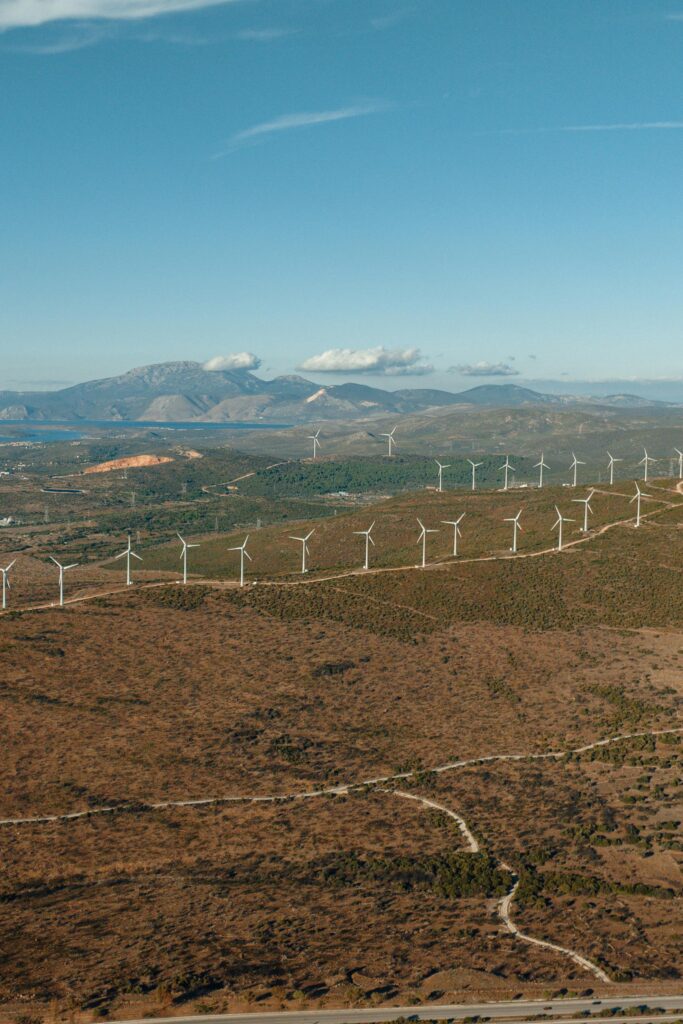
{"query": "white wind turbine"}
[(62, 570), (574, 468), (516, 526), (316, 442), (586, 502), (368, 541), (455, 523), (128, 553), (507, 467), (540, 466), (390, 440), (558, 523), (305, 553), (610, 468), (441, 469), (637, 498), (423, 539), (680, 463), (183, 556), (475, 466), (242, 548), (645, 462), (5, 582)]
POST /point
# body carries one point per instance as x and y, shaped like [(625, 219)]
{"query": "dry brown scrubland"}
[(362, 898)]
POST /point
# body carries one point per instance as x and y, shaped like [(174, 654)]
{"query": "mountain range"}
[(187, 392)]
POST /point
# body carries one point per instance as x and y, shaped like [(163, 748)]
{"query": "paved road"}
[(522, 1011)]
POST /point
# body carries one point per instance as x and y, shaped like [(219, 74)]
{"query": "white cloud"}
[(400, 362), (288, 122), (234, 361), (29, 13), (485, 369)]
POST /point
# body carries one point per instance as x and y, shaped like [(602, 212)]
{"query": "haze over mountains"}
[(187, 392)]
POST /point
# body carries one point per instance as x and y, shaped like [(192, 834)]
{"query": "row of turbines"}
[(507, 468), (369, 542)]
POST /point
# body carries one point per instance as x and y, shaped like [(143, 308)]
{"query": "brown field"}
[(206, 693)]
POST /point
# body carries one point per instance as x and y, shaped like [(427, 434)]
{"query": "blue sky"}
[(413, 192)]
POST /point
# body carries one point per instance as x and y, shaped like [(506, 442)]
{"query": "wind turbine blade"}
[(116, 557), (55, 561), (136, 556), (72, 566), (248, 555)]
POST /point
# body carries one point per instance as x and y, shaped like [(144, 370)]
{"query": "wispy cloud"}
[(383, 21), (619, 126), (264, 35), (291, 122), (30, 13), (77, 39)]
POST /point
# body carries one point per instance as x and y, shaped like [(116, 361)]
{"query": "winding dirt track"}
[(504, 905)]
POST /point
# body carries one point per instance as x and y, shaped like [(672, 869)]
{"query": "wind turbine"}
[(637, 497), (128, 553), (475, 466), (304, 548), (586, 502), (455, 523), (558, 522), (507, 467), (680, 463), (242, 548), (368, 541), (610, 468), (391, 440), (540, 466), (645, 462), (186, 548), (441, 469), (423, 538), (5, 583), (316, 445), (575, 467), (62, 570), (516, 526)]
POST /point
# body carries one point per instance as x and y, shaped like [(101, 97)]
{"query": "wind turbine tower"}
[(508, 468), (5, 582), (316, 445), (558, 523), (586, 502), (183, 556), (515, 527), (441, 469), (62, 570), (680, 463), (475, 466), (423, 540), (637, 498), (368, 541), (645, 463), (305, 553), (391, 441), (540, 466), (242, 548), (128, 553), (455, 523), (610, 468), (574, 468)]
